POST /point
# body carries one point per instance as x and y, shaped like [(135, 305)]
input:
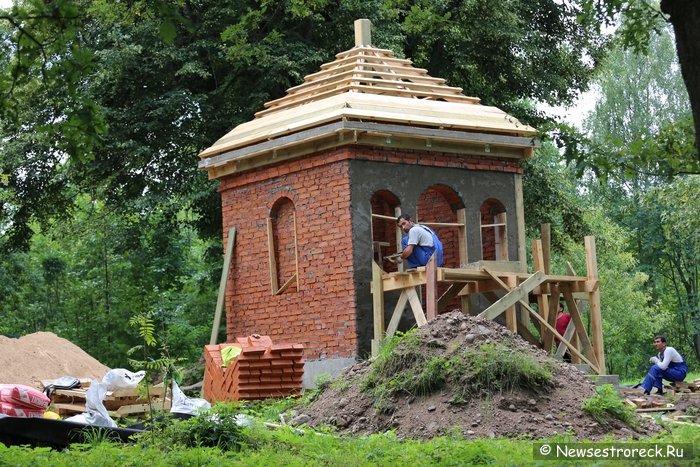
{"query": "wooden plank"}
[(513, 296), (520, 220), (580, 298), (287, 284), (594, 303), (68, 409), (568, 334), (220, 300), (546, 234), (416, 307), (431, 288), (580, 327), (377, 307), (451, 292), (462, 237), (158, 406), (542, 299), (551, 317), (274, 284), (296, 250), (511, 321), (398, 312), (405, 280), (572, 349)]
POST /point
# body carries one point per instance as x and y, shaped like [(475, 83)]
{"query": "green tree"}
[(642, 19), (159, 81), (672, 231)]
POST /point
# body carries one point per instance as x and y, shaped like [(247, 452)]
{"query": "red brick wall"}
[(321, 315), (488, 237)]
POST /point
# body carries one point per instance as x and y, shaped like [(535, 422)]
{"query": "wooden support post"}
[(511, 321), (296, 253), (542, 299), (594, 303), (546, 234), (416, 307), (586, 346), (377, 307), (431, 288), (230, 242), (548, 338), (569, 335), (579, 305), (398, 312), (462, 237), (520, 218), (573, 349), (274, 284)]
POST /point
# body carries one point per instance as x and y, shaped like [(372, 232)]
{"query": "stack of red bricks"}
[(262, 370)]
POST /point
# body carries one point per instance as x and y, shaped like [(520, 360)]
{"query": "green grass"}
[(606, 403), (294, 447)]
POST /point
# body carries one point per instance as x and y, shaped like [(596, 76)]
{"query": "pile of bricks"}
[(262, 370)]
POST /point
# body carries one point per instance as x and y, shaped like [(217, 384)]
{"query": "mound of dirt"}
[(44, 356), (517, 412)]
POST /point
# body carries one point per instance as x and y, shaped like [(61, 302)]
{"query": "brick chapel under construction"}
[(313, 185)]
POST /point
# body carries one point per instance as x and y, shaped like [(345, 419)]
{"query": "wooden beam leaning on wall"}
[(230, 242), (594, 302)]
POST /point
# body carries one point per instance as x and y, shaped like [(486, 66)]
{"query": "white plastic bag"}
[(96, 413), (186, 405), (119, 378)]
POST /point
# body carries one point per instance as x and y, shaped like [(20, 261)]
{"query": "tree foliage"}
[(137, 89)]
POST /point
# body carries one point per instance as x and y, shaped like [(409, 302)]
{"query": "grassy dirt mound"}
[(468, 376)]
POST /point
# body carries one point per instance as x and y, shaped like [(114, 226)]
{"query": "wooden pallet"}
[(120, 403)]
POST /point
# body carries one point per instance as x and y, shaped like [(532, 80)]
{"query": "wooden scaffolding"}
[(510, 292)]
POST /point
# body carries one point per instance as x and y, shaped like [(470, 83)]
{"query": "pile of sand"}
[(44, 356)]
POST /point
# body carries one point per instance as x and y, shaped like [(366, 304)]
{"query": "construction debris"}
[(680, 402), (120, 402)]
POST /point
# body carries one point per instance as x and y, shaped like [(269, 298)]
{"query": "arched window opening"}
[(385, 238), (494, 235), (282, 247), (440, 208)]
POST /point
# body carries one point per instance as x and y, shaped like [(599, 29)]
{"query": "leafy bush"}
[(216, 428), (607, 403)]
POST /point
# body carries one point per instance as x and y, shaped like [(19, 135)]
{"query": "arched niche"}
[(282, 247), (494, 233), (385, 207), (441, 208)]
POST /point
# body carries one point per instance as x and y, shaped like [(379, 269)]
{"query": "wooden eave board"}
[(474, 117)]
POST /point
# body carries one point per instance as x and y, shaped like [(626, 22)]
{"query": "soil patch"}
[(514, 412), (44, 356)]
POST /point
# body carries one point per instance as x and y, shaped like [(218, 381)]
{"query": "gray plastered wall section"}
[(407, 182)]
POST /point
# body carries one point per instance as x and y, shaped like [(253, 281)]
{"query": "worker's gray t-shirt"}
[(419, 236)]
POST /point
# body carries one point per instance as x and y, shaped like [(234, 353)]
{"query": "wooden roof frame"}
[(368, 96)]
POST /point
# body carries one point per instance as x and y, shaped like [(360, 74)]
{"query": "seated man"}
[(419, 244), (668, 365)]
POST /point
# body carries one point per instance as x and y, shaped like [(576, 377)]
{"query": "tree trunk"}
[(685, 18)]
